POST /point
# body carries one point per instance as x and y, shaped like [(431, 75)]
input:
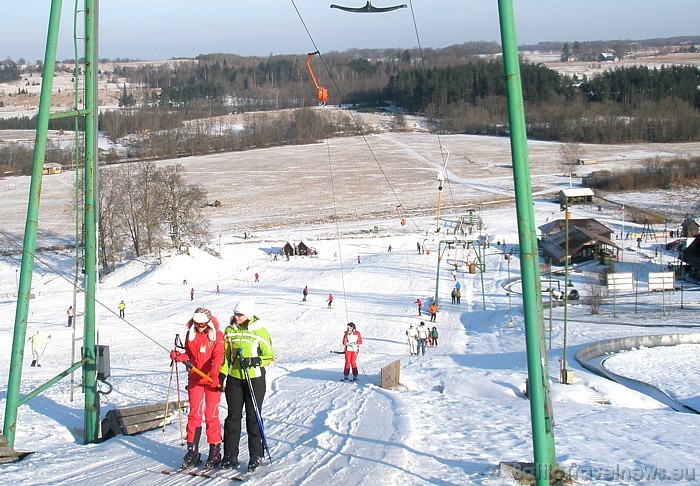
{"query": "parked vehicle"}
[(676, 245)]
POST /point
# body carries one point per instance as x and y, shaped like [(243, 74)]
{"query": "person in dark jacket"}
[(247, 346)]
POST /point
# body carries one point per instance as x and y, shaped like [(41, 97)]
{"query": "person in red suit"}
[(204, 350), (352, 340)]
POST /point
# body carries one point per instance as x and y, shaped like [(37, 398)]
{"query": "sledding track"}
[(593, 357)]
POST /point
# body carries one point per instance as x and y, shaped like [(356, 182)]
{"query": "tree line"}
[(654, 174), (457, 92), (160, 133)]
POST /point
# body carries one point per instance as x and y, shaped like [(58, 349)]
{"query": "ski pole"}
[(178, 344), (173, 367), (42, 352), (360, 366), (167, 395), (258, 418)]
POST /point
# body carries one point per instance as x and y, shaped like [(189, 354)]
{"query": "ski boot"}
[(193, 457), (254, 463), (230, 462), (214, 458)]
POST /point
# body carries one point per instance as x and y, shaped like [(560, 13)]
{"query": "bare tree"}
[(595, 298), (147, 193), (181, 206), (570, 153), (109, 223), (136, 202)]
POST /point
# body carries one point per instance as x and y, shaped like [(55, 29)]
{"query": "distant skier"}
[(70, 314), (412, 338), (352, 341), (433, 311), (121, 308), (453, 294), (218, 290), (458, 295), (434, 335), (420, 306), (389, 249), (422, 337), (358, 259), (305, 292), (330, 301), (39, 342), (257, 277), (418, 247), (192, 293)]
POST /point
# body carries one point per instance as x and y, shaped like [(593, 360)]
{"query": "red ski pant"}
[(350, 363), (204, 398)]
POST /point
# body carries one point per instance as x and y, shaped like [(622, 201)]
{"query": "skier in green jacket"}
[(247, 343)]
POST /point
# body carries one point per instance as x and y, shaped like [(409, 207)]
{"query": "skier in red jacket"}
[(351, 341), (420, 306), (204, 350)]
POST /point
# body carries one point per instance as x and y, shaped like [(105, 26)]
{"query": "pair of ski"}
[(199, 471)]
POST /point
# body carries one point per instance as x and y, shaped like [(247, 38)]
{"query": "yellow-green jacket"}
[(255, 342)]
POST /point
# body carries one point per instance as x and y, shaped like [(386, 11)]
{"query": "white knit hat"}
[(202, 315), (245, 307)]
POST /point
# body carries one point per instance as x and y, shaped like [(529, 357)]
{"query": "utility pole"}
[(565, 377), (541, 410)]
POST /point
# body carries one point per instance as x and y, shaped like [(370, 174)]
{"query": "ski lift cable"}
[(352, 116), (437, 132), (364, 138), (337, 228), (80, 289)]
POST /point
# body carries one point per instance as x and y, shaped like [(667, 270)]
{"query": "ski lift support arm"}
[(322, 92), (368, 8)]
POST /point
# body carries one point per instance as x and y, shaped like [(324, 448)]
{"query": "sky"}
[(160, 29), (461, 410)]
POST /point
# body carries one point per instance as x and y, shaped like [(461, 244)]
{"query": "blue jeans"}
[(421, 346)]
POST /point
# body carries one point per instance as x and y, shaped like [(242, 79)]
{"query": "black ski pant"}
[(238, 396)]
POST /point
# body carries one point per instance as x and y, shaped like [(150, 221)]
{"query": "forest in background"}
[(460, 89)]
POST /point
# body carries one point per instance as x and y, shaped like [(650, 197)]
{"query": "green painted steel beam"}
[(49, 383), (67, 114), (542, 415), (92, 412), (30, 228)]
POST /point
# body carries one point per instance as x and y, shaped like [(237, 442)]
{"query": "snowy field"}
[(462, 408)]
